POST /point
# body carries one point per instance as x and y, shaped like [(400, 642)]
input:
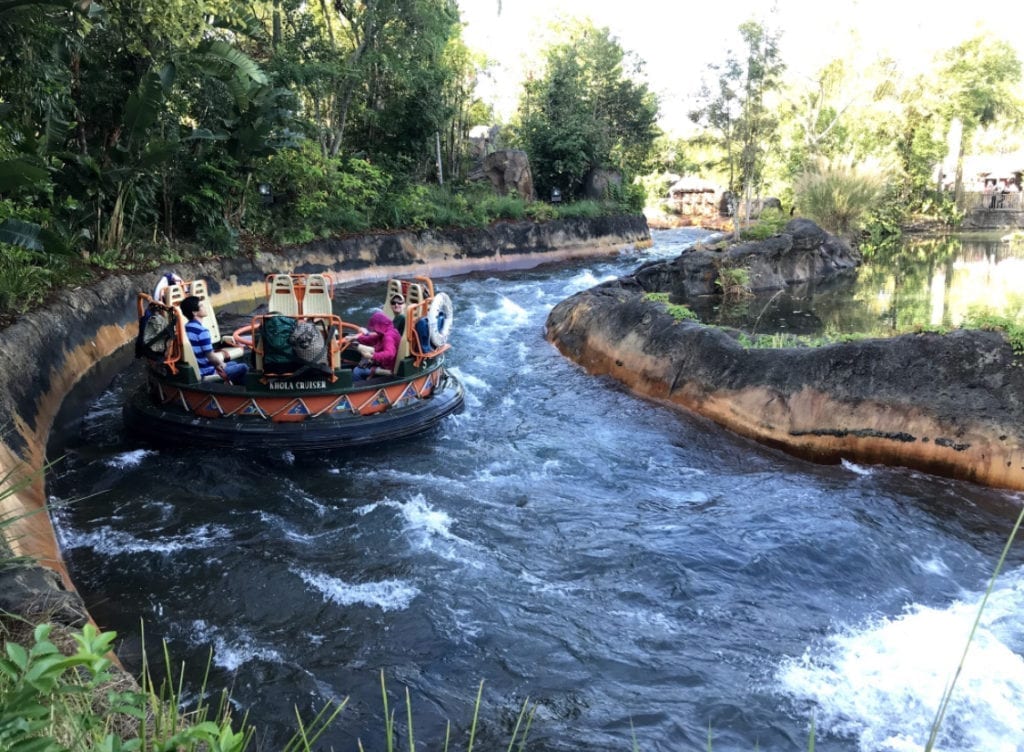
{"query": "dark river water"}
[(639, 575)]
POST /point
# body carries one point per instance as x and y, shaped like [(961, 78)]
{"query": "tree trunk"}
[(276, 25), (958, 185), (440, 167)]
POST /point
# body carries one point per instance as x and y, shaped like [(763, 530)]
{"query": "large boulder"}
[(802, 252), (509, 172), (599, 184)]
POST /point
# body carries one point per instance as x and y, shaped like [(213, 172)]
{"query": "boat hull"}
[(164, 421)]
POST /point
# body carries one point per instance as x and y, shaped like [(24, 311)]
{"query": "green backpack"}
[(276, 331)]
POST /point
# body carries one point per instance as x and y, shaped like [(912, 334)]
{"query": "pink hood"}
[(379, 323)]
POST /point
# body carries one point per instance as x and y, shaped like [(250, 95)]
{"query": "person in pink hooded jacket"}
[(379, 347)]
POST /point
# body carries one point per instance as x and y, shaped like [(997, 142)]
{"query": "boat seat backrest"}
[(414, 295), (188, 355), (210, 320), (282, 296), (318, 295), (414, 314), (395, 287), (173, 295)]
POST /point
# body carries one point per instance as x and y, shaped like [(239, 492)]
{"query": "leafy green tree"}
[(586, 111), (463, 108), (740, 110), (370, 74), (979, 80), (837, 115)]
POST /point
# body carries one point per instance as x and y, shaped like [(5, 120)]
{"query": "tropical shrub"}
[(733, 281), (676, 310), (768, 224), (837, 198)]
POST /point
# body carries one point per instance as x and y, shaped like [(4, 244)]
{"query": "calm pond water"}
[(929, 281), (631, 571)]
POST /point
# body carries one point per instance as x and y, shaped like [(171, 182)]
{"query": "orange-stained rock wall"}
[(952, 405)]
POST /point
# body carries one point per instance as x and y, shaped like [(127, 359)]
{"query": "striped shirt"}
[(202, 345)]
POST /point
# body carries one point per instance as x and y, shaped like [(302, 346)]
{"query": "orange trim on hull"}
[(295, 409)]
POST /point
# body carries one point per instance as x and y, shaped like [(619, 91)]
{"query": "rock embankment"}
[(949, 404)]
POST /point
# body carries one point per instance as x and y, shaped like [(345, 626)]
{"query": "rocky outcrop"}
[(509, 172), (949, 404), (802, 252), (599, 184)]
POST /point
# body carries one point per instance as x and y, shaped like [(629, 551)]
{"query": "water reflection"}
[(925, 282)]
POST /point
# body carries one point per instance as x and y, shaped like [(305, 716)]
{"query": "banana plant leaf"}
[(21, 173), (32, 236)]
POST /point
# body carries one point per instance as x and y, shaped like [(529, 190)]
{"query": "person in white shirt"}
[(166, 280)]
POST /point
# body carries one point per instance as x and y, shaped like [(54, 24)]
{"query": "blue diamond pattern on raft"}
[(251, 408), (212, 404)]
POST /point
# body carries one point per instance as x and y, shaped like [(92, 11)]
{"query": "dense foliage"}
[(135, 134), (132, 134), (586, 111)]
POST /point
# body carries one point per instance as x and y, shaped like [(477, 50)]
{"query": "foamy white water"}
[(387, 595), (882, 683)]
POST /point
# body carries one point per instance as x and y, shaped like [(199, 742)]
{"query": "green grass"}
[(1013, 330), (733, 281), (675, 310), (520, 731), (781, 340)]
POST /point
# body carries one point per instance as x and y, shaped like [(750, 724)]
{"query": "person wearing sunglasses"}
[(398, 312)]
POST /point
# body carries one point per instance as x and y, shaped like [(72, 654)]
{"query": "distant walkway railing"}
[(974, 200)]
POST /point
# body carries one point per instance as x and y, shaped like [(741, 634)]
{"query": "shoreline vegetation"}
[(213, 141), (25, 287)]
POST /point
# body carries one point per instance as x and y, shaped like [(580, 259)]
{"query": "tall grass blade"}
[(408, 715), (389, 719), (476, 716), (308, 735), (948, 694), (519, 721)]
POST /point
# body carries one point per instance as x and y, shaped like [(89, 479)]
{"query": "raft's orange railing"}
[(413, 314)]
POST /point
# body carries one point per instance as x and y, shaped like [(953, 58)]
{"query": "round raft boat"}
[(309, 398)]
